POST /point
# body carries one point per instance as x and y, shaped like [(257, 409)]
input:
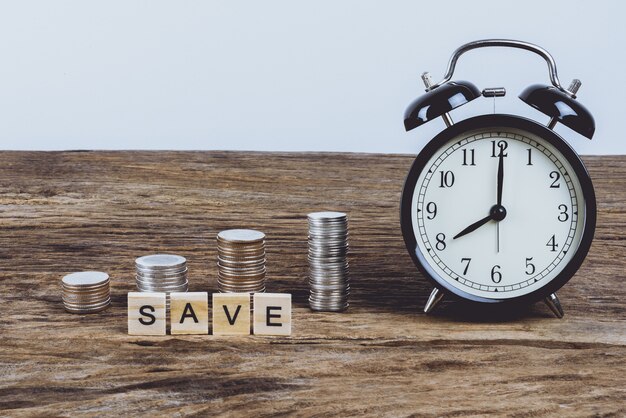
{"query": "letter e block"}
[(146, 313), (272, 314), (189, 313), (231, 314)]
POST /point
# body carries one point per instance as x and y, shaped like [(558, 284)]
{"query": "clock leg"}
[(555, 306), (435, 297)]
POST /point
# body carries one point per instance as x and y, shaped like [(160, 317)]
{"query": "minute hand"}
[(500, 176), (473, 226)]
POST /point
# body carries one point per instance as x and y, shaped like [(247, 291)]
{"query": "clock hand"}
[(498, 236), (497, 212), (474, 226), (500, 176)]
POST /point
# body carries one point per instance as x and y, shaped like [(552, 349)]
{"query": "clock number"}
[(496, 276), (530, 266), (441, 244), (530, 160), (431, 209), (555, 176), (552, 244), (447, 178), (468, 260), (563, 216), (502, 145), (472, 154)]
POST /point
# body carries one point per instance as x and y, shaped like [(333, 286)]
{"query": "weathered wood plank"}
[(62, 212)]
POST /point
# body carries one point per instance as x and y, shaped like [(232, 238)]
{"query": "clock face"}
[(478, 243)]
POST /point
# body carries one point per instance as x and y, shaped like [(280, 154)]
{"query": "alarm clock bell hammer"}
[(561, 106)]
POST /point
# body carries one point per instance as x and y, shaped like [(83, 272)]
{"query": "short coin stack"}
[(161, 273), (86, 292), (241, 261), (328, 264)]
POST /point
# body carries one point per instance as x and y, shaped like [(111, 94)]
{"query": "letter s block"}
[(231, 313), (146, 313), (189, 312), (272, 314)]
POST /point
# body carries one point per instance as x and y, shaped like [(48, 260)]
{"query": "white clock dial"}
[(502, 259)]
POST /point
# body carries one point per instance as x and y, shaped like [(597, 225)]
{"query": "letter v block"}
[(272, 314), (231, 314), (189, 313), (146, 313)]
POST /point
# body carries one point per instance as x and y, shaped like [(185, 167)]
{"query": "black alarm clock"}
[(497, 208)]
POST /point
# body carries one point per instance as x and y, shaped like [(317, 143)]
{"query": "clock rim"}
[(494, 121)]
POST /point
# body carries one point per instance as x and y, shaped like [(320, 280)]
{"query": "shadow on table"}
[(405, 294)]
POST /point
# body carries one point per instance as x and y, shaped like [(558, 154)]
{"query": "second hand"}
[(498, 235)]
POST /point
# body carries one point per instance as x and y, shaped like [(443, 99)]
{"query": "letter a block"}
[(146, 313), (231, 314), (272, 314), (189, 312)]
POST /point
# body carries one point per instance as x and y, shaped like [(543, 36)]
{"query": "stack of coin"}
[(86, 292), (241, 261), (328, 264), (161, 273)]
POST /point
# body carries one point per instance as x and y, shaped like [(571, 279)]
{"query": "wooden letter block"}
[(231, 313), (146, 313), (272, 314), (189, 312)]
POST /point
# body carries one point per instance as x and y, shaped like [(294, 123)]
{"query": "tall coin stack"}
[(161, 273), (86, 292), (241, 261), (328, 264)]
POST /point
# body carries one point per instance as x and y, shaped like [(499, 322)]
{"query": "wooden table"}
[(70, 211)]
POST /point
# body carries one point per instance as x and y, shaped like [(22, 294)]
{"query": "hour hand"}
[(474, 226)]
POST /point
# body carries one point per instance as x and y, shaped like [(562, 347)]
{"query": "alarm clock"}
[(498, 208)]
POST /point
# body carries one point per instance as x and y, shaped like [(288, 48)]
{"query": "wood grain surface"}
[(70, 211)]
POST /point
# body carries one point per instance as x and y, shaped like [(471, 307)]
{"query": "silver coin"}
[(323, 270), (240, 256), (234, 266), (326, 215), (86, 310), (235, 289), (242, 270), (315, 283), (143, 283), (167, 289), (160, 261), (98, 291), (340, 307), (241, 235), (169, 280), (161, 277), (146, 287), (85, 278), (97, 287), (239, 286), (239, 273), (86, 296), (91, 305), (161, 271), (240, 245), (241, 261), (328, 299), (179, 280), (319, 287), (95, 305), (241, 283)]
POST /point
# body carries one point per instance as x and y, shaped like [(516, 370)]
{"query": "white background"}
[(286, 75)]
